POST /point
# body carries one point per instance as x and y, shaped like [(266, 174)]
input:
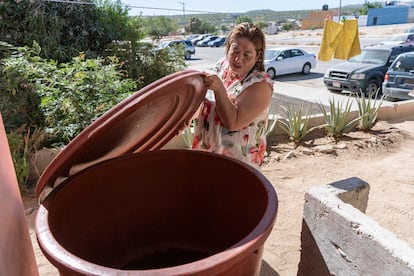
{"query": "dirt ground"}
[(382, 157)]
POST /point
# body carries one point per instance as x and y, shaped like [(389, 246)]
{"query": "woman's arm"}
[(247, 106)]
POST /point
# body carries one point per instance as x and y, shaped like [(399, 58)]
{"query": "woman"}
[(234, 123)]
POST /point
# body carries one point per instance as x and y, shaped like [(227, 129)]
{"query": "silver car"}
[(283, 60)]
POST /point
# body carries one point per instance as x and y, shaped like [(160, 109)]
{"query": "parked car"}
[(189, 48), (199, 38), (409, 30), (205, 41), (403, 39), (283, 60), (217, 42), (191, 36), (399, 79), (365, 72)]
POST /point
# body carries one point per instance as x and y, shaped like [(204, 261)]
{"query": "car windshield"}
[(376, 56), (271, 54)]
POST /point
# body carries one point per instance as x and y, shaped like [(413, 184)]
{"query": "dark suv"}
[(399, 79), (364, 72)]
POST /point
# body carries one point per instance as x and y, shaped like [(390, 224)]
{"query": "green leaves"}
[(295, 124), (337, 117), (368, 109)]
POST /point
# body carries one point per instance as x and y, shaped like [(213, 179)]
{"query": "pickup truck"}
[(365, 72)]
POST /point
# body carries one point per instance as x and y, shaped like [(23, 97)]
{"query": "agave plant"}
[(368, 109), (273, 120), (295, 124), (336, 119)]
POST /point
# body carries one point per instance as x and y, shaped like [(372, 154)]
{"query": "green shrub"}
[(59, 98), (141, 61)]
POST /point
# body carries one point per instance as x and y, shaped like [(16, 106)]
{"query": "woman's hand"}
[(213, 82)]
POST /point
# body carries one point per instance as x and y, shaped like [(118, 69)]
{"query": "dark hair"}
[(252, 33)]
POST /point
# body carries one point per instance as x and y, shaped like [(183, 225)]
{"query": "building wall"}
[(315, 19), (388, 15)]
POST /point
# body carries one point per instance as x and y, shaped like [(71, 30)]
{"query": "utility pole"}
[(183, 3), (340, 7)]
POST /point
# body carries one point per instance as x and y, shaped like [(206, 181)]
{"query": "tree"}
[(159, 26), (262, 24), (62, 29), (366, 6), (243, 18), (193, 26)]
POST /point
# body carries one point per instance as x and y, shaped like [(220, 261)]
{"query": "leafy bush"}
[(336, 119), (66, 97), (141, 61), (22, 145)]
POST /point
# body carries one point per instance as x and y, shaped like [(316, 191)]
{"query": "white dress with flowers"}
[(247, 144)]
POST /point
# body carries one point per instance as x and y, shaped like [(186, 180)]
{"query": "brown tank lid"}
[(145, 121)]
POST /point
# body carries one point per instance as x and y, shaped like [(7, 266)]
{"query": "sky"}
[(181, 7)]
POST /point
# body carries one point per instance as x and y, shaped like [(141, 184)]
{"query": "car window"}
[(403, 64), (269, 54), (285, 54), (394, 54), (296, 53)]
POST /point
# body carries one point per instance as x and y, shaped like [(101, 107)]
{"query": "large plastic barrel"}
[(164, 212)]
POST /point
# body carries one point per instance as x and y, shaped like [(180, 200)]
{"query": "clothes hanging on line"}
[(339, 40)]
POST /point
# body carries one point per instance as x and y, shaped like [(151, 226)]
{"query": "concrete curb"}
[(339, 239)]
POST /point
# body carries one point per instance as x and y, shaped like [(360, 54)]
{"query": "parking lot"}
[(296, 89)]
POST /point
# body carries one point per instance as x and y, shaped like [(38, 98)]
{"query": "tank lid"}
[(145, 121)]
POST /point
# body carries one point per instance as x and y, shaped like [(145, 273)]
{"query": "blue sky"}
[(224, 6)]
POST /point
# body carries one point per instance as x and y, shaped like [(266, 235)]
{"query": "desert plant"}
[(368, 109), (270, 126), (295, 124), (336, 119)]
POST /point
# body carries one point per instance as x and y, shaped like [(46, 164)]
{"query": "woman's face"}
[(242, 56)]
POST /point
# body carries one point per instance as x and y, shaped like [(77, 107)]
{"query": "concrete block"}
[(339, 239)]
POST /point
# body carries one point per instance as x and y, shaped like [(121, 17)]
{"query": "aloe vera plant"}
[(336, 118), (295, 124), (368, 109)]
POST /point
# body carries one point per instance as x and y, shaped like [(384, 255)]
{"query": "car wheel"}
[(187, 55), (306, 69), (373, 87), (272, 73)]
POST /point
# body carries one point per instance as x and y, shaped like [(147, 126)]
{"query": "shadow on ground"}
[(267, 270)]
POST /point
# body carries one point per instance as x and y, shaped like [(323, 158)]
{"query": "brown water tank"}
[(113, 203)]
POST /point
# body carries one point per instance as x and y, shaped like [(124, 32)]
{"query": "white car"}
[(403, 39), (283, 60)]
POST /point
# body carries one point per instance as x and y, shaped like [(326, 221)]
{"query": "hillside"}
[(259, 15)]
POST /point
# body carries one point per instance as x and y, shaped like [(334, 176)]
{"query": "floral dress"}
[(247, 144)]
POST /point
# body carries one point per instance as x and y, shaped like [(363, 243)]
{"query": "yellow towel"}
[(348, 45), (330, 39), (339, 40)]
